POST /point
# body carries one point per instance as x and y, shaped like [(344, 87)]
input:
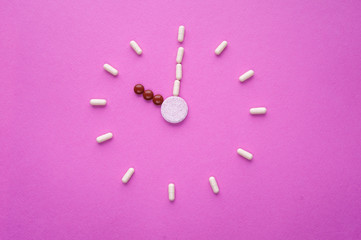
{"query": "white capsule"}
[(104, 137), (244, 154), (176, 87), (128, 175), (110, 69), (181, 34), (98, 102), (136, 47), (246, 75), (258, 110), (214, 185), (178, 72), (171, 192), (180, 54), (221, 47)]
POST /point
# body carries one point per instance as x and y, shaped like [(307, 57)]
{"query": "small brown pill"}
[(148, 94), (138, 89), (158, 99)]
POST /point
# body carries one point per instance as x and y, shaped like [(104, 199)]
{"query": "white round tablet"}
[(174, 109)]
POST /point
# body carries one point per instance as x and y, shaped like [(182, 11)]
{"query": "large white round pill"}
[(174, 109)]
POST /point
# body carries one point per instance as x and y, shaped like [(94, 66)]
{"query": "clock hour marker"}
[(104, 137), (136, 47), (110, 69), (171, 192), (244, 154), (258, 110), (214, 185), (98, 102), (128, 175), (221, 47), (246, 75)]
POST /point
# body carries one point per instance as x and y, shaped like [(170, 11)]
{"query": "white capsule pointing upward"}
[(181, 34), (171, 192), (128, 175), (176, 88), (258, 110), (214, 185), (244, 154), (178, 72), (221, 47), (98, 102), (180, 54), (110, 69), (104, 137), (246, 75), (136, 47)]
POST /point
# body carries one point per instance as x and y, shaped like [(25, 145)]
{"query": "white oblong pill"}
[(178, 72), (104, 137), (110, 69), (258, 110), (128, 175), (246, 75), (180, 54), (98, 102), (244, 154), (176, 88), (221, 47), (171, 192), (181, 34), (214, 185), (136, 47)]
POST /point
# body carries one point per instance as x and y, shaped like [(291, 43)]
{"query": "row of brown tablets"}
[(148, 94)]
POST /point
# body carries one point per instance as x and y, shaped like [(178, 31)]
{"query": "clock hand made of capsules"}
[(174, 109)]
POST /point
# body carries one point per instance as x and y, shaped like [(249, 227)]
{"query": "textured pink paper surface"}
[(58, 183)]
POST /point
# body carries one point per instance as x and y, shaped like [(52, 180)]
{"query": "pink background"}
[(58, 183)]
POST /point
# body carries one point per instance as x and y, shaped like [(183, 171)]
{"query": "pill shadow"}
[(242, 159), (258, 115), (109, 74), (222, 53), (99, 106)]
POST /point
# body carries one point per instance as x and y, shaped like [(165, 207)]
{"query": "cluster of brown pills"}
[(148, 94)]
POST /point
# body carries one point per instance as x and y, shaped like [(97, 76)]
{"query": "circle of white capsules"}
[(174, 109)]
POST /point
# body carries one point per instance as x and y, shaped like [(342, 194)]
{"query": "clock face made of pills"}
[(173, 109)]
